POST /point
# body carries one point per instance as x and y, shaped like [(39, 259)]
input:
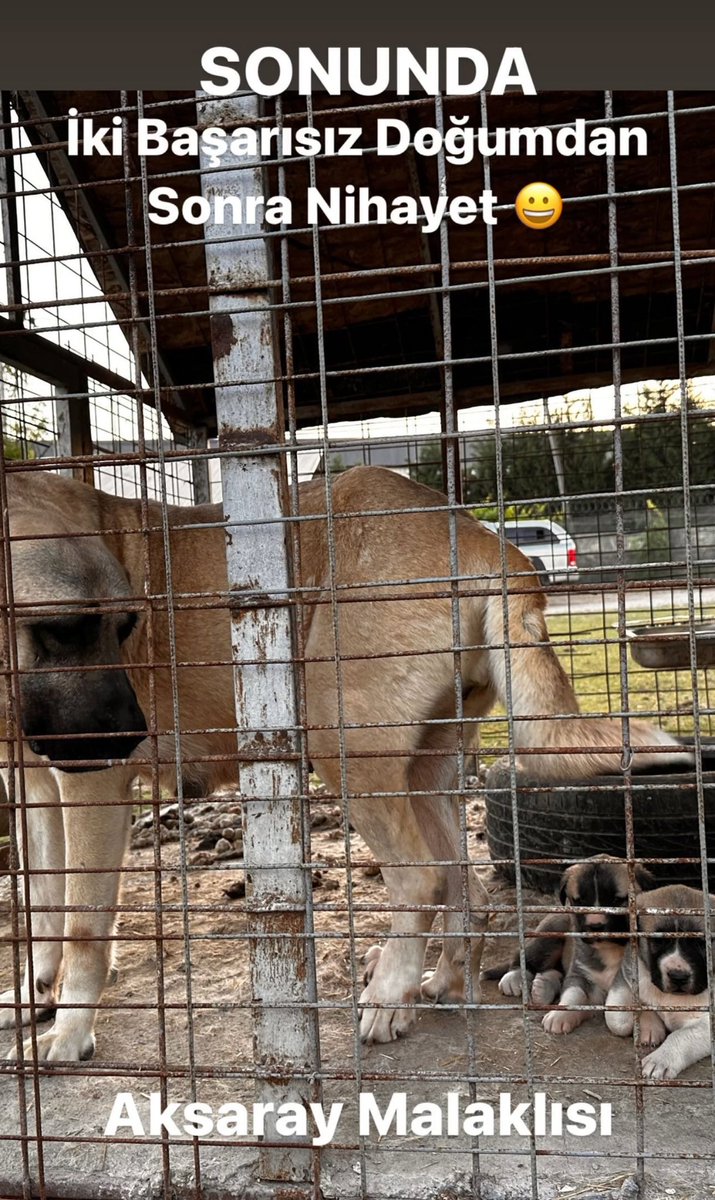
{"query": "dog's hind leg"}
[(95, 842), (391, 825), (43, 854), (395, 697), (395, 969), (425, 829), (446, 984)]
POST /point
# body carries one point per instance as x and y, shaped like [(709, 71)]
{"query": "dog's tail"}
[(560, 742)]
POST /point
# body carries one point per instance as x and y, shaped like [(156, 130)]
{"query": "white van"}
[(551, 549)]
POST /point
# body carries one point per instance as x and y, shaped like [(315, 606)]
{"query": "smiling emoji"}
[(539, 205)]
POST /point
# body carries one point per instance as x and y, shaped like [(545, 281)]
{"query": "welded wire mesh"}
[(558, 389)]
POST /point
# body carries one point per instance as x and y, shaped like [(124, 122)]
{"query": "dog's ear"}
[(563, 887), (644, 878)]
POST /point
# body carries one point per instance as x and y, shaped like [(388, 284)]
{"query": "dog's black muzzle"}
[(611, 925), (101, 723), (679, 981)]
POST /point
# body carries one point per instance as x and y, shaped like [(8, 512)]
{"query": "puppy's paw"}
[(562, 1020), (661, 1064), (69, 1046), (652, 1030), (510, 983), (619, 1023), (546, 987)]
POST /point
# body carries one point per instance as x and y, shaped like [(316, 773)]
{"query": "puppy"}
[(577, 955), (670, 978)]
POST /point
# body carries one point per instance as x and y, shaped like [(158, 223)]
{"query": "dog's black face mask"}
[(677, 964), (601, 885), (72, 616), (77, 702)]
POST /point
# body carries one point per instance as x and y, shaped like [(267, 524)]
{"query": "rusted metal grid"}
[(199, 1022)]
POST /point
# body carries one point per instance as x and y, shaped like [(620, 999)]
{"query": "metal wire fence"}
[(356, 752)]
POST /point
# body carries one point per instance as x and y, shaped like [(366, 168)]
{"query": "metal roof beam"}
[(90, 231)]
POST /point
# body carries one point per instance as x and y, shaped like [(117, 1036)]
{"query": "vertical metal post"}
[(250, 421), (8, 214), (74, 430), (197, 440), (556, 455)]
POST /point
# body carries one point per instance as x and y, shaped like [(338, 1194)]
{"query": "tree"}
[(336, 464), (23, 416), (429, 468), (651, 444)]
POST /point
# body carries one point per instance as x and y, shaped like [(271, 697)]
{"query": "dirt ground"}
[(217, 926), (206, 1021)]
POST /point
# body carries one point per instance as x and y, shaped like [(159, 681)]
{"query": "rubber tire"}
[(573, 821)]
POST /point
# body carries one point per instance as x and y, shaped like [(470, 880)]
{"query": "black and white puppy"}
[(670, 979), (577, 955)]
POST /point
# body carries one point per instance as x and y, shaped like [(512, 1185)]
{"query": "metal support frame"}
[(40, 357), (8, 211), (29, 351), (449, 446), (198, 440), (83, 217), (74, 433), (254, 490)]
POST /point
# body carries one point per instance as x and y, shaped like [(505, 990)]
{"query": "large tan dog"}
[(398, 681)]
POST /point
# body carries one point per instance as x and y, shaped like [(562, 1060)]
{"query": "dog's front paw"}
[(44, 1007), (445, 985), (652, 1029), (546, 987), (65, 1046), (562, 1020), (510, 983), (371, 959), (384, 1024), (661, 1064)]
